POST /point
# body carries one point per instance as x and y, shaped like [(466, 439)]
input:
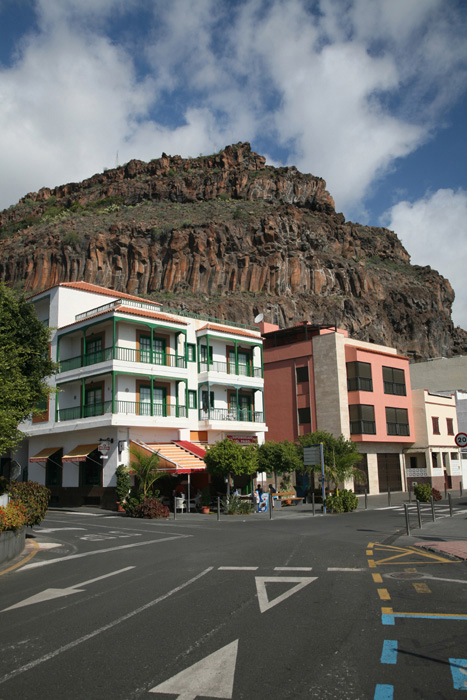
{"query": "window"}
[(362, 419), (435, 422), (434, 460), (454, 456), (302, 376), (203, 353), (191, 352), (397, 421), (450, 426), (204, 400), (394, 381), (304, 415), (413, 462), (191, 398), (359, 376)]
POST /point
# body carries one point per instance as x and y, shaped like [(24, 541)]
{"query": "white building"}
[(434, 457), (130, 371)]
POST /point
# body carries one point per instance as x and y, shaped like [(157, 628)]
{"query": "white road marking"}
[(51, 593), (57, 529), (99, 551), (293, 568), (105, 628), (211, 677), (238, 568), (263, 600), (342, 568)]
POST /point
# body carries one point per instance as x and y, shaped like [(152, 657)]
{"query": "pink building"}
[(317, 378)]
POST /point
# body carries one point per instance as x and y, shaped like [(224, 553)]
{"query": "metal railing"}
[(226, 414), (229, 368), (125, 355), (134, 408)]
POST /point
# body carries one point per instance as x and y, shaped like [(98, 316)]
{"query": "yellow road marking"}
[(23, 561), (370, 545), (387, 611), (384, 594), (371, 564), (410, 571), (369, 552), (401, 552), (421, 588), (377, 578)]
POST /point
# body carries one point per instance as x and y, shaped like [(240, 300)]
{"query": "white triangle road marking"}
[(212, 677), (263, 600)]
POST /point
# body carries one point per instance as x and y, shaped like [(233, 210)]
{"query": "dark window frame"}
[(300, 373), (361, 424), (304, 412), (397, 423), (392, 385), (357, 376)]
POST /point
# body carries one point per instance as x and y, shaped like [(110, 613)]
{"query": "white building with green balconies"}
[(130, 370)]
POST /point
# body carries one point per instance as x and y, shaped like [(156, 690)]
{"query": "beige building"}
[(434, 457)]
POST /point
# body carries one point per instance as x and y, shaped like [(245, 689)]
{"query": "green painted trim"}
[(83, 396), (114, 337), (113, 392), (238, 340)]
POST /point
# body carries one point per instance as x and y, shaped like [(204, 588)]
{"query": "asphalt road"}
[(297, 607)]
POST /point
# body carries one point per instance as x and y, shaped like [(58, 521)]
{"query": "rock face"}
[(229, 236)]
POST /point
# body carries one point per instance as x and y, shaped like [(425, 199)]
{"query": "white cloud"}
[(433, 230), (345, 91)]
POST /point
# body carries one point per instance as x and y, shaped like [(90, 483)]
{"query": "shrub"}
[(122, 474), (13, 517), (233, 505), (151, 508), (423, 492), (343, 502), (35, 498)]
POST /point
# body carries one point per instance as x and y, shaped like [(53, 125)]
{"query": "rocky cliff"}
[(230, 236)]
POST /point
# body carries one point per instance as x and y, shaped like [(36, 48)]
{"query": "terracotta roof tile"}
[(96, 289), (229, 329), (134, 312)]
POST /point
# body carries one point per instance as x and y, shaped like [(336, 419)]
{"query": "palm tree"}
[(145, 468), (343, 468)]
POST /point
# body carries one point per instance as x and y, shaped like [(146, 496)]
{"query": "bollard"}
[(410, 493), (445, 490), (450, 504), (433, 517), (313, 503), (407, 521), (389, 495), (175, 510), (271, 501), (366, 499), (218, 508), (460, 489), (419, 515)]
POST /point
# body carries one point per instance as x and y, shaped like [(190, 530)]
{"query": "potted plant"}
[(205, 500), (122, 474)]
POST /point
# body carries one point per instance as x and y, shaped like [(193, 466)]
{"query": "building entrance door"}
[(389, 472)]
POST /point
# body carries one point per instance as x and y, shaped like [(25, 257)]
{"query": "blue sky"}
[(371, 95)]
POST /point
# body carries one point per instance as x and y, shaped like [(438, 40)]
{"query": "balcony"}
[(133, 408), (229, 368), (229, 414), (125, 355)]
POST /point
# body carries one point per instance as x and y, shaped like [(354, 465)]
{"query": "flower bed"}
[(13, 520)]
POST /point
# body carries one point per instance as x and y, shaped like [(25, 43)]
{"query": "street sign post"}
[(313, 455)]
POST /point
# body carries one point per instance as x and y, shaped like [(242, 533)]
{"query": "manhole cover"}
[(406, 576)]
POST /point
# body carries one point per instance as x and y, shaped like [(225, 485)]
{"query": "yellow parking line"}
[(369, 552), (384, 594), (377, 578), (421, 587), (410, 571), (371, 564), (23, 561)]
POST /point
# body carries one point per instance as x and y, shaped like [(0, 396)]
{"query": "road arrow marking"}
[(263, 600), (211, 677), (51, 593)]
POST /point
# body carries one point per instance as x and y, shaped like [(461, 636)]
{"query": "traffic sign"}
[(312, 455), (461, 439)]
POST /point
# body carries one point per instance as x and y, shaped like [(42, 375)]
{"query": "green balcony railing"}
[(134, 408), (231, 414), (229, 368), (125, 355)]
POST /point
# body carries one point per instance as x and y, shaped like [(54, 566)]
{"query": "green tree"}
[(340, 457), (283, 457), (227, 457), (24, 365), (145, 468)]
